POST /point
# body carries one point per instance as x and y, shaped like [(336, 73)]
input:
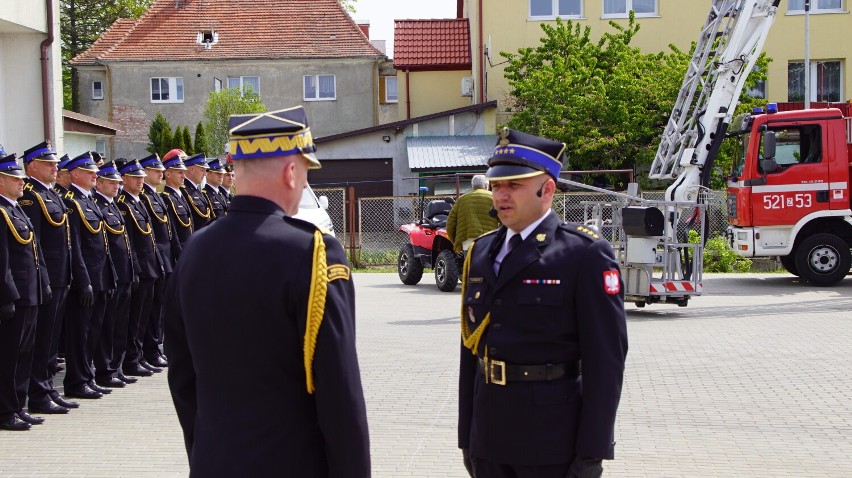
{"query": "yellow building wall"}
[(507, 27), (431, 92)]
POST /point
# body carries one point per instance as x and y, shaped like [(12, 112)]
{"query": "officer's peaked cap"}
[(152, 162), (42, 152), (9, 165), (272, 134), (109, 171), (521, 155), (196, 160), (85, 161), (130, 167)]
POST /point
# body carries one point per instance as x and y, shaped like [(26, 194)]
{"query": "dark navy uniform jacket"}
[(198, 204), (24, 277), (227, 196), (247, 412), (90, 262), (164, 233), (126, 270), (217, 202), (143, 247), (45, 208), (180, 218), (557, 299)]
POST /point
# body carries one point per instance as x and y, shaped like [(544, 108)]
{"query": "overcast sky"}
[(382, 13)]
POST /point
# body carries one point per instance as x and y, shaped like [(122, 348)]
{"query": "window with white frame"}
[(167, 90), (556, 8), (389, 89), (217, 84), (243, 82), (817, 6), (320, 88), (97, 90), (759, 88), (621, 8), (826, 81), (100, 147)]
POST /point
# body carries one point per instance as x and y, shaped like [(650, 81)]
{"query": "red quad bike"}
[(429, 246)]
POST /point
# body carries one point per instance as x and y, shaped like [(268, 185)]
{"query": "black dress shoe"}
[(83, 392), (124, 378), (110, 382), (29, 418), (137, 371), (47, 408), (15, 424), (64, 403), (98, 388), (157, 362), (146, 365)]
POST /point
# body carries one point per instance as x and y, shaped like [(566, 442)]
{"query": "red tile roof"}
[(247, 29), (432, 44)]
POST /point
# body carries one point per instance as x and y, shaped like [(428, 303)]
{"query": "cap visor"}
[(51, 158), (505, 172), (157, 167), (92, 169), (15, 173), (179, 167), (136, 174), (313, 162)]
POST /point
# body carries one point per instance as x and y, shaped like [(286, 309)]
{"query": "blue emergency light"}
[(772, 108)]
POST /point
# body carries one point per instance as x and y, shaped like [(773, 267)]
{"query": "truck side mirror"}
[(768, 166), (768, 145)]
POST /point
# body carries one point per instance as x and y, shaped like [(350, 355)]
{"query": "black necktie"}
[(513, 243)]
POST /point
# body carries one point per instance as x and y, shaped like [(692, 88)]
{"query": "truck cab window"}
[(795, 145)]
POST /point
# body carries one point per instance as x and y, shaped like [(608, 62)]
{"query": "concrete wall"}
[(22, 29), (77, 144), (431, 92), (372, 146), (679, 22), (128, 86)]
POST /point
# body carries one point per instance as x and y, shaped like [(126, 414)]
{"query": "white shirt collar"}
[(82, 191), (36, 180), (527, 230), (12, 202)]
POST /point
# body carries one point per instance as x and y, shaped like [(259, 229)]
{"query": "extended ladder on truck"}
[(658, 263)]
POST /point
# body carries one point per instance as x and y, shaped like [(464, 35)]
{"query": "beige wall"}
[(679, 22), (127, 94), (23, 27), (431, 92)]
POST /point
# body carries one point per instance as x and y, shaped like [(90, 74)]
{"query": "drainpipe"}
[(481, 58), (46, 95), (407, 94)]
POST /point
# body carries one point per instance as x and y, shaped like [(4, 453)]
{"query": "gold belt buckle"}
[(494, 364)]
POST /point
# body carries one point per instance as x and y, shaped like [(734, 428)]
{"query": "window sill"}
[(320, 99), (167, 101), (611, 16), (552, 18), (797, 13)]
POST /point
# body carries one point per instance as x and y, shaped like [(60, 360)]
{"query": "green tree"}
[(187, 142), (200, 145), (348, 5), (81, 22), (177, 139), (159, 135), (220, 106), (608, 101)]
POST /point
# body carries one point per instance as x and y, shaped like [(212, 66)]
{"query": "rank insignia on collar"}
[(612, 284), (540, 237)]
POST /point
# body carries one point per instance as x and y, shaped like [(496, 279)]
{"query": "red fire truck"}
[(788, 193)]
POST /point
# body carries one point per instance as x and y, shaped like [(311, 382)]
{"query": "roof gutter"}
[(46, 93), (481, 58)]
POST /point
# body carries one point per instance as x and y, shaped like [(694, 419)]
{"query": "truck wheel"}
[(409, 267), (789, 263), (446, 272), (823, 259)]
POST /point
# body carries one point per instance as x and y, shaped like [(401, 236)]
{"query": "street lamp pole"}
[(807, 54)]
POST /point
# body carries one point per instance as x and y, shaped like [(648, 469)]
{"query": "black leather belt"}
[(499, 372)]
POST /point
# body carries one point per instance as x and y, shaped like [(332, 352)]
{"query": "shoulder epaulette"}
[(301, 224), (580, 230)]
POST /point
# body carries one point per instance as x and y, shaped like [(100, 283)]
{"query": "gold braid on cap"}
[(316, 307), (471, 340)]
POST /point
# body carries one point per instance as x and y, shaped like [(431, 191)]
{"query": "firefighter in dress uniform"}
[(93, 279), (23, 288), (49, 216), (226, 189), (544, 336), (167, 242), (288, 323), (215, 174), (199, 203), (178, 207)]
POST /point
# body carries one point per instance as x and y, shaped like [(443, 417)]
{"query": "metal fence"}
[(376, 239), (336, 210)]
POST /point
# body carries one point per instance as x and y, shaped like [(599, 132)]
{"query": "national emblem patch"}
[(612, 284)]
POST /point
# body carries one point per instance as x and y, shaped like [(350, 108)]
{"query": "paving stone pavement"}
[(750, 379)]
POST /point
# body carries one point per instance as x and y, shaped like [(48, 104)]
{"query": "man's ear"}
[(288, 174)]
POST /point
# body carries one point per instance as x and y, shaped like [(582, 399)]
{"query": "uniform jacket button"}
[(498, 302), (538, 300), (496, 326), (492, 350)]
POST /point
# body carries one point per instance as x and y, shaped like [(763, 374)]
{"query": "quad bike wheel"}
[(410, 268), (446, 272)]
